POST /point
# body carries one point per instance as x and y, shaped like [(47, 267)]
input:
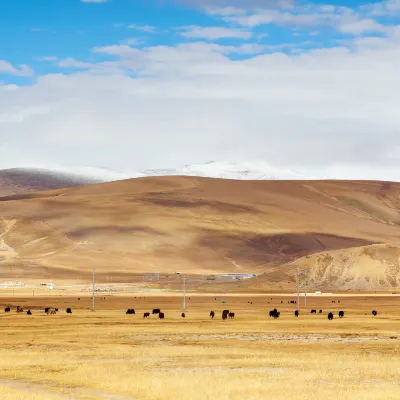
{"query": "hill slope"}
[(20, 180), (195, 225)]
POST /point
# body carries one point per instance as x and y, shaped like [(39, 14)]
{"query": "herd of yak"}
[(47, 310), (225, 313)]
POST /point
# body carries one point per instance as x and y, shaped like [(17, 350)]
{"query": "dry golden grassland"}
[(110, 355)]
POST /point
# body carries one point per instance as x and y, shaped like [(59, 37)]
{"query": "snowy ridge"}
[(226, 170), (258, 170)]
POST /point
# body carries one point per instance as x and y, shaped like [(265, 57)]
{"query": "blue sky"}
[(274, 72), (35, 33)]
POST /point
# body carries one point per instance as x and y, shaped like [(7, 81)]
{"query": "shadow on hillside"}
[(111, 229), (260, 249), (219, 206)]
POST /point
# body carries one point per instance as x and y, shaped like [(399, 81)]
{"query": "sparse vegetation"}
[(108, 354)]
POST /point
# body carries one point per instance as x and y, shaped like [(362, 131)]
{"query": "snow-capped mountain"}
[(75, 176), (226, 170)]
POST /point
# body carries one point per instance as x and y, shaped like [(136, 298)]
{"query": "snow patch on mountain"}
[(244, 171), (257, 170)]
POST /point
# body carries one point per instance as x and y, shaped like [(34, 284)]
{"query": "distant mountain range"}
[(22, 180), (226, 170)]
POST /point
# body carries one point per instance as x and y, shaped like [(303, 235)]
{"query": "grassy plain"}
[(110, 355)]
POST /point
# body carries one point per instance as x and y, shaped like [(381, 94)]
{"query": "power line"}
[(298, 294), (184, 293), (93, 289)]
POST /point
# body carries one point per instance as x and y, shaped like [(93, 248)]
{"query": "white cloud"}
[(46, 58), (343, 19), (22, 114), (361, 26), (116, 50), (239, 3), (72, 63), (324, 111), (142, 28), (133, 41), (213, 32), (387, 7), (226, 11), (8, 68)]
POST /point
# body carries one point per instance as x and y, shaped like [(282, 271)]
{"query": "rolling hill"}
[(203, 226), (23, 180)]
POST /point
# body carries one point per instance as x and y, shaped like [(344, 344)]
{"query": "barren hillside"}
[(20, 180), (201, 226)]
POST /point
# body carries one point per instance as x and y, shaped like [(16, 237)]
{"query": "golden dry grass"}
[(110, 355)]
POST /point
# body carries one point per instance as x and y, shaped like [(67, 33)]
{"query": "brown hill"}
[(20, 180), (199, 226)]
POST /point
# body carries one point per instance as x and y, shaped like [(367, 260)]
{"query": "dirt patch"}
[(50, 390)]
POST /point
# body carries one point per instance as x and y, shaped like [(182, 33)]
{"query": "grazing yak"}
[(156, 311), (231, 315), (29, 312), (374, 312), (225, 314), (296, 313), (161, 315), (330, 316), (130, 311), (69, 311), (183, 315), (274, 313), (313, 311), (341, 314), (19, 309), (320, 311), (212, 314), (7, 309), (146, 314), (51, 311)]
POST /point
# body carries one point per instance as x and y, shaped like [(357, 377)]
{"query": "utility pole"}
[(184, 293), (93, 289), (298, 294), (305, 293)]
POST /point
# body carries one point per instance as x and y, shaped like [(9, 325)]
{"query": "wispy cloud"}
[(72, 63), (382, 8), (143, 28), (46, 58), (133, 41), (225, 11), (342, 19), (361, 26), (116, 50), (213, 32), (8, 68), (38, 30)]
